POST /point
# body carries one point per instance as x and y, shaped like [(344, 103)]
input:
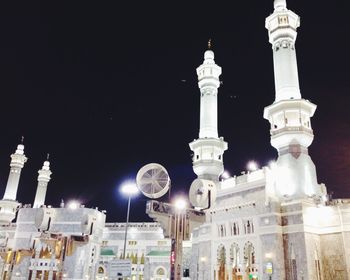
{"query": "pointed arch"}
[(221, 262), (234, 255), (249, 255)]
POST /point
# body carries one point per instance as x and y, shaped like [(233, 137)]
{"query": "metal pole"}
[(126, 226), (178, 245)]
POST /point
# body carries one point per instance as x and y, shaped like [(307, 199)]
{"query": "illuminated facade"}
[(276, 222), (72, 242)]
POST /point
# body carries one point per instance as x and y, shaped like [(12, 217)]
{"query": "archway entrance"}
[(249, 258), (221, 261), (160, 273), (234, 261)]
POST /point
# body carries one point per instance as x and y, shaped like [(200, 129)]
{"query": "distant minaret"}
[(43, 180), (208, 149), (289, 116), (18, 159), (8, 205)]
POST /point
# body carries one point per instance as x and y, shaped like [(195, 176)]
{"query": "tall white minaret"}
[(208, 150), (9, 205), (43, 180), (282, 26), (289, 116)]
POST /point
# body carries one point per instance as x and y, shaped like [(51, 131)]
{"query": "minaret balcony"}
[(8, 210), (298, 128), (288, 135)]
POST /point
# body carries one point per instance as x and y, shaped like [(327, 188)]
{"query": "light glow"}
[(252, 165), (129, 188), (180, 204), (73, 204), (225, 175)]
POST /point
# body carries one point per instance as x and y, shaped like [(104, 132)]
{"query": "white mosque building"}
[(272, 223), (276, 222)]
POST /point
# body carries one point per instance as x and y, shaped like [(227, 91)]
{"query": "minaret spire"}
[(209, 44), (209, 148), (289, 115), (282, 26), (9, 205), (43, 180), (208, 83)]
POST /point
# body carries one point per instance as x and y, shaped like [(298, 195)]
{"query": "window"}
[(235, 229), (283, 20), (248, 227), (222, 230)]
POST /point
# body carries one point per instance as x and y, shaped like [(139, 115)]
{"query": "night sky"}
[(108, 87)]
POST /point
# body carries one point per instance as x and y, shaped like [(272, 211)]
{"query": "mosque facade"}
[(276, 222)]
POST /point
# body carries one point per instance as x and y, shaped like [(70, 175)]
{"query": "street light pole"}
[(126, 226), (130, 189), (178, 235)]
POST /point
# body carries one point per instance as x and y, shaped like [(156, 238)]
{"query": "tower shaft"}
[(282, 26), (286, 71), (43, 180)]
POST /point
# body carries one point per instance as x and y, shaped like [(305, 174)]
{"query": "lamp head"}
[(180, 204), (129, 188)]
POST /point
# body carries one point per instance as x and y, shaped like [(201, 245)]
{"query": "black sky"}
[(100, 86)]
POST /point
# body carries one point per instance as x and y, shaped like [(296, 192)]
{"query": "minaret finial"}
[(280, 4), (47, 156), (209, 44), (22, 139)]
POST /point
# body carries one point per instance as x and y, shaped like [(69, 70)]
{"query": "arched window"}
[(160, 271), (221, 261), (222, 230), (234, 255), (248, 227), (235, 229), (101, 270), (249, 254), (221, 254)]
